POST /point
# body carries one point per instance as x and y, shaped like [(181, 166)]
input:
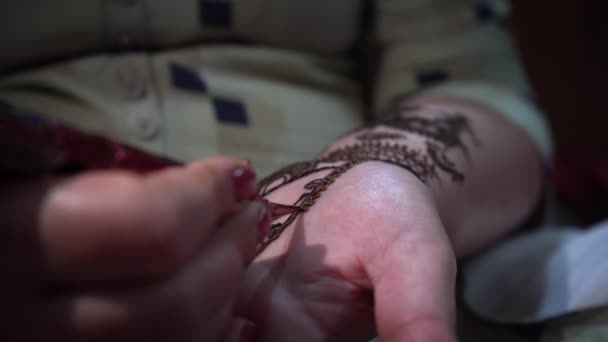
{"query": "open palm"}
[(371, 257)]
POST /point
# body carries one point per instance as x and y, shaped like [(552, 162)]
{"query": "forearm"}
[(485, 175), (483, 172)]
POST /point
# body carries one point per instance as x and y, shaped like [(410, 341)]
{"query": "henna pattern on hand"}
[(441, 134)]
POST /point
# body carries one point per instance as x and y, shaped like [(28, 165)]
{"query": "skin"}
[(377, 253), (115, 256)]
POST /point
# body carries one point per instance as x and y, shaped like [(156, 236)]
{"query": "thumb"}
[(414, 282)]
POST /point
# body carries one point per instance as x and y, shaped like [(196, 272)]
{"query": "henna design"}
[(442, 134), (286, 175), (446, 129), (437, 154), (380, 136)]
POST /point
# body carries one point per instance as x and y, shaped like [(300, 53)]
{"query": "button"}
[(132, 84), (146, 126), (228, 111)]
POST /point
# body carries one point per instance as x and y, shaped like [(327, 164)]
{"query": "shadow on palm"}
[(298, 296)]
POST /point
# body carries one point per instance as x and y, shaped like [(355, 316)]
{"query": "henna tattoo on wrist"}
[(384, 141)]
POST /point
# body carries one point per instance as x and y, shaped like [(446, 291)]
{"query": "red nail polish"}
[(248, 334), (244, 183)]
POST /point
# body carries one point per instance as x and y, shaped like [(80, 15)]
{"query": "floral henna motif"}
[(447, 129), (379, 136), (441, 134)]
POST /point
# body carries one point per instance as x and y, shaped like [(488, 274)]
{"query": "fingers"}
[(194, 305), (414, 283), (119, 225), (116, 224), (240, 234)]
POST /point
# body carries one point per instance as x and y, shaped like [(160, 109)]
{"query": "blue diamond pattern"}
[(185, 78), (431, 77), (216, 13), (484, 12), (229, 111)]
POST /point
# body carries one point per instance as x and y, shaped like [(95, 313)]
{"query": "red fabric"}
[(76, 148), (582, 182)]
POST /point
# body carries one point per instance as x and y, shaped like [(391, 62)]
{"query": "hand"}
[(371, 253), (114, 256)]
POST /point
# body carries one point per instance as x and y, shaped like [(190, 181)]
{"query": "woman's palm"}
[(370, 254)]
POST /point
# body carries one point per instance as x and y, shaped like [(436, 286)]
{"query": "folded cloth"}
[(540, 275)]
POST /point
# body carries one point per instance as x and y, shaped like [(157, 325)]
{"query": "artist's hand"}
[(114, 256), (371, 253)]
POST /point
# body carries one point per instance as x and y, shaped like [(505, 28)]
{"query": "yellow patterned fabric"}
[(273, 81), (271, 106)]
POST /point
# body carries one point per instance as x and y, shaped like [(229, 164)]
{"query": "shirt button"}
[(146, 126), (132, 84)]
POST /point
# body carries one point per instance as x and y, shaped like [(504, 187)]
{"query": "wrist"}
[(393, 191), (444, 155), (370, 189)]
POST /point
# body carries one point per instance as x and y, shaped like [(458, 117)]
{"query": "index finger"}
[(111, 225)]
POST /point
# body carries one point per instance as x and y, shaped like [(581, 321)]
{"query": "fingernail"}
[(244, 183), (264, 221), (248, 333)]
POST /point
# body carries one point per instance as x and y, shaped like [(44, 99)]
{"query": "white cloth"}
[(540, 275)]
